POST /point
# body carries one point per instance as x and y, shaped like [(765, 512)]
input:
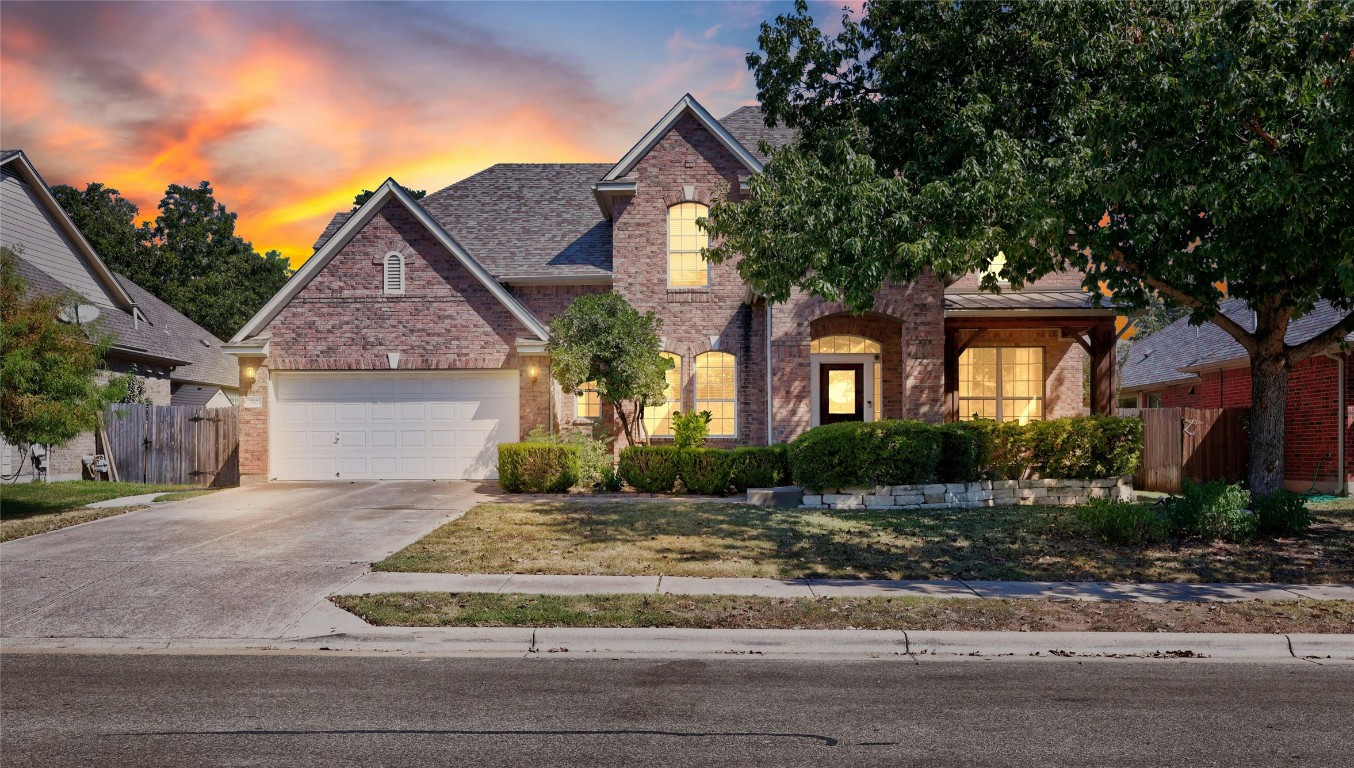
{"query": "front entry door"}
[(841, 392)]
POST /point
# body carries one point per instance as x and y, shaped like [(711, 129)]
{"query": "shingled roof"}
[(1172, 353), (748, 126)]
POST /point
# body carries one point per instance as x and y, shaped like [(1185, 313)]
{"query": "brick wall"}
[(1064, 366)]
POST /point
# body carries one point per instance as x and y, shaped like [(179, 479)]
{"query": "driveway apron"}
[(241, 563)]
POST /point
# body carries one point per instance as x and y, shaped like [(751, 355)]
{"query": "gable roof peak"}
[(684, 106)]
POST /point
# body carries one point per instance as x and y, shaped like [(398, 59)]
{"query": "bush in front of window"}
[(760, 467), (705, 471), (650, 468), (1073, 447), (857, 454), (690, 429), (963, 448), (537, 467)]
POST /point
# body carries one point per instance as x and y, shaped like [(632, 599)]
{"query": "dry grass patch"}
[(31, 508), (441, 609), (688, 538)]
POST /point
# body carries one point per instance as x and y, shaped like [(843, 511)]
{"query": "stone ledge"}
[(978, 493)]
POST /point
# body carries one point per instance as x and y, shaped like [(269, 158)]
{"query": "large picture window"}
[(1002, 383), (686, 266), (717, 392), (658, 419)]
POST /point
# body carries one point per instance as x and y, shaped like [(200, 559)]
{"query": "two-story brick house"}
[(413, 341)]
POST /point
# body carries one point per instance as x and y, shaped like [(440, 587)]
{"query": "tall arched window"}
[(717, 392), (687, 268), (658, 419), (394, 274)]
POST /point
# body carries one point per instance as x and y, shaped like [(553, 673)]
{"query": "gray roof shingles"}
[(1159, 358), (748, 126)]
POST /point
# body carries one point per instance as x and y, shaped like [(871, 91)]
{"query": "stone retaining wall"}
[(979, 493)]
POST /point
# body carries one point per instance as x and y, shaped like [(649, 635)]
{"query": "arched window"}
[(717, 392), (687, 268), (658, 419), (844, 345), (394, 274)]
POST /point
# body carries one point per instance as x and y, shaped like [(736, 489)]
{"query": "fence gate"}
[(1195, 443), (179, 445)]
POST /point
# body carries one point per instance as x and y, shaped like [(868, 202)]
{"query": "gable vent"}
[(394, 274)]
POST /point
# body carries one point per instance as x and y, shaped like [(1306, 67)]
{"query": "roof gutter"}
[(136, 353)]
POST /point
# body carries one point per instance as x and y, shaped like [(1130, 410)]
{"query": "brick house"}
[(177, 361), (412, 342), (1189, 366)]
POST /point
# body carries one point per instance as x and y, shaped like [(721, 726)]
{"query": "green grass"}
[(441, 609), (683, 538), (30, 508), (180, 496)]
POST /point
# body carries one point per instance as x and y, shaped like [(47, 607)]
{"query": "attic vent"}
[(394, 274)]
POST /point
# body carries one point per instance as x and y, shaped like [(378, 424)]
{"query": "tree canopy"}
[(189, 257), (601, 338), (1192, 151), (365, 195), (48, 366)]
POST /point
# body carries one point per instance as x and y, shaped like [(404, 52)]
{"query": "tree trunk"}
[(1269, 402)]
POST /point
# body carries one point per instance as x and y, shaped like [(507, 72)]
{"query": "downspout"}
[(770, 409), (1340, 415)]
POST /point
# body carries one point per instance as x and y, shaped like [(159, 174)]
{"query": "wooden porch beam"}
[(1102, 370), (951, 383), (969, 341)]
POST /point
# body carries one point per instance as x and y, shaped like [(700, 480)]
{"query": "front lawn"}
[(31, 508), (689, 538), (441, 609)]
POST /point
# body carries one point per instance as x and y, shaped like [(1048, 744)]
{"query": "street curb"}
[(911, 647)]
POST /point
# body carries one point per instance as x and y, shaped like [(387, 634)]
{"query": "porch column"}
[(951, 397), (1102, 369)]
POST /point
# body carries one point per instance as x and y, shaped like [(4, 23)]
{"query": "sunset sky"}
[(290, 109)]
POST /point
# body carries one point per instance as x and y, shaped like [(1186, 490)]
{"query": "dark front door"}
[(841, 392)]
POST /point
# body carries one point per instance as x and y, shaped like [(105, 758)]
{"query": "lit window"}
[(843, 345), (394, 274), (686, 266), (587, 403), (998, 267), (1005, 384), (658, 418), (717, 392)]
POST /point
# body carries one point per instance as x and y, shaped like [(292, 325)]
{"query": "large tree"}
[(48, 367), (601, 338), (1191, 151), (190, 257)]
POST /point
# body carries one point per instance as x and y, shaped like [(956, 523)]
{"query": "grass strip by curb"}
[(442, 609), (54, 521)]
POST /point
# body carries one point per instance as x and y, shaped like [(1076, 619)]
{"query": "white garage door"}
[(392, 425)]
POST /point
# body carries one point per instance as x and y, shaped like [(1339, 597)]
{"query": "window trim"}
[(998, 384), (385, 274), (668, 246), (696, 398), (670, 405)]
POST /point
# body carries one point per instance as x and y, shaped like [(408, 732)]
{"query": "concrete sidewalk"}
[(370, 583)]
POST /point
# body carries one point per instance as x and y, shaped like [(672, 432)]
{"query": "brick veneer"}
[(1310, 418)]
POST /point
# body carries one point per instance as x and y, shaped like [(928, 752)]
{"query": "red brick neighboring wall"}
[(1311, 417)]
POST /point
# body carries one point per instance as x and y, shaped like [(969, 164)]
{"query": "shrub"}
[(705, 471), (963, 449), (650, 468), (760, 467), (1120, 522), (1075, 447), (1212, 510), (537, 467), (595, 461), (1120, 446), (611, 480), (854, 454), (1008, 449), (690, 429), (1283, 512)]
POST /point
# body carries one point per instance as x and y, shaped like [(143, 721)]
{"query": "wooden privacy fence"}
[(171, 444), (1195, 443)]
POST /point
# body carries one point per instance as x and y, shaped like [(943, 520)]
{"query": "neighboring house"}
[(1201, 366), (413, 340), (177, 360)]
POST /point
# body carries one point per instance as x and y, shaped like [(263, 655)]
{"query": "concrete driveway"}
[(252, 562)]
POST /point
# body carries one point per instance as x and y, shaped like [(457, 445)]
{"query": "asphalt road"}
[(266, 710)]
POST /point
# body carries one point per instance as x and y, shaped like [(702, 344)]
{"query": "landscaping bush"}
[(765, 466), (1284, 512), (537, 467), (1215, 510), (861, 454), (595, 461), (1074, 447), (1119, 448), (690, 429), (650, 468), (1120, 522), (705, 471), (1008, 449), (963, 448)]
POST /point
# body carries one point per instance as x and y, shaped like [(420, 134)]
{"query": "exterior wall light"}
[(249, 373)]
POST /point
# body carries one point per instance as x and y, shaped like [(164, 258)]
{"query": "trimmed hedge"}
[(537, 467), (705, 471), (865, 453), (963, 447), (760, 467), (650, 468), (1075, 447)]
